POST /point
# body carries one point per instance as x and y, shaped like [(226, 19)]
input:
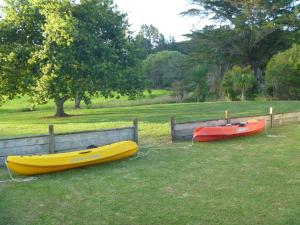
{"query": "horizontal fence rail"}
[(184, 130), (56, 143)]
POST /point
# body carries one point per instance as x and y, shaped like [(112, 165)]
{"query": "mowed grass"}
[(153, 118), (253, 180)]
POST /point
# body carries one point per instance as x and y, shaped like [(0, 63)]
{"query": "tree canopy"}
[(63, 49), (163, 68), (246, 32)]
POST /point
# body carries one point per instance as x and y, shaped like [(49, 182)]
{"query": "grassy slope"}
[(251, 180)]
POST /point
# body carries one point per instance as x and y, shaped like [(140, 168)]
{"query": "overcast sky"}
[(163, 14)]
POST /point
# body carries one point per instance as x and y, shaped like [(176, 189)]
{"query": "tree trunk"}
[(258, 73), (243, 95), (77, 102), (60, 108), (197, 92), (259, 77)]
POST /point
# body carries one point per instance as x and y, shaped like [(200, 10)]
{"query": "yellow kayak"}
[(38, 164)]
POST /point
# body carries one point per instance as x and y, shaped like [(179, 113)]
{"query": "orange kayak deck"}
[(205, 134)]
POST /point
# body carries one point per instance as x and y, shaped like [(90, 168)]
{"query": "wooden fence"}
[(55, 143), (184, 131)]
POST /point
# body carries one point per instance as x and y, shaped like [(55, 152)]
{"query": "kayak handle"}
[(85, 152)]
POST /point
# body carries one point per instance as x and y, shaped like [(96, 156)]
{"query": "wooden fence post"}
[(227, 117), (51, 139), (172, 122), (136, 130), (271, 117)]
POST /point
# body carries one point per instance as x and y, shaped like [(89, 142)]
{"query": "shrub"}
[(238, 83), (197, 82), (282, 78)]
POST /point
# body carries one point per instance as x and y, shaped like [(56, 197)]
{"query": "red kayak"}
[(228, 131)]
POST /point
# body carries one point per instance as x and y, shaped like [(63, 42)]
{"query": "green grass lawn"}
[(252, 180), (155, 97), (14, 122)]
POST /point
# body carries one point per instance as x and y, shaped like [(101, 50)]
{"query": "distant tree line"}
[(237, 57), (62, 50)]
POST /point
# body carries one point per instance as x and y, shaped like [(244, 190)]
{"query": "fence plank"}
[(99, 138), (286, 118), (244, 119), (27, 141), (192, 125), (25, 150)]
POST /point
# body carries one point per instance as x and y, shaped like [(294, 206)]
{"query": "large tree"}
[(80, 49), (247, 32)]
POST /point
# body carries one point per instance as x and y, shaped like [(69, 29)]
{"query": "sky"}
[(163, 14)]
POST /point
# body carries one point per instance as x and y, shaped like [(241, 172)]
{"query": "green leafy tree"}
[(105, 52), (55, 56), (152, 35), (205, 48), (248, 32), (163, 68), (20, 34), (237, 82), (77, 50), (196, 81), (283, 74), (149, 40)]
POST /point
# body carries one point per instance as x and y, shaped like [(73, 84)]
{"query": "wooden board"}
[(79, 141), (24, 145)]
